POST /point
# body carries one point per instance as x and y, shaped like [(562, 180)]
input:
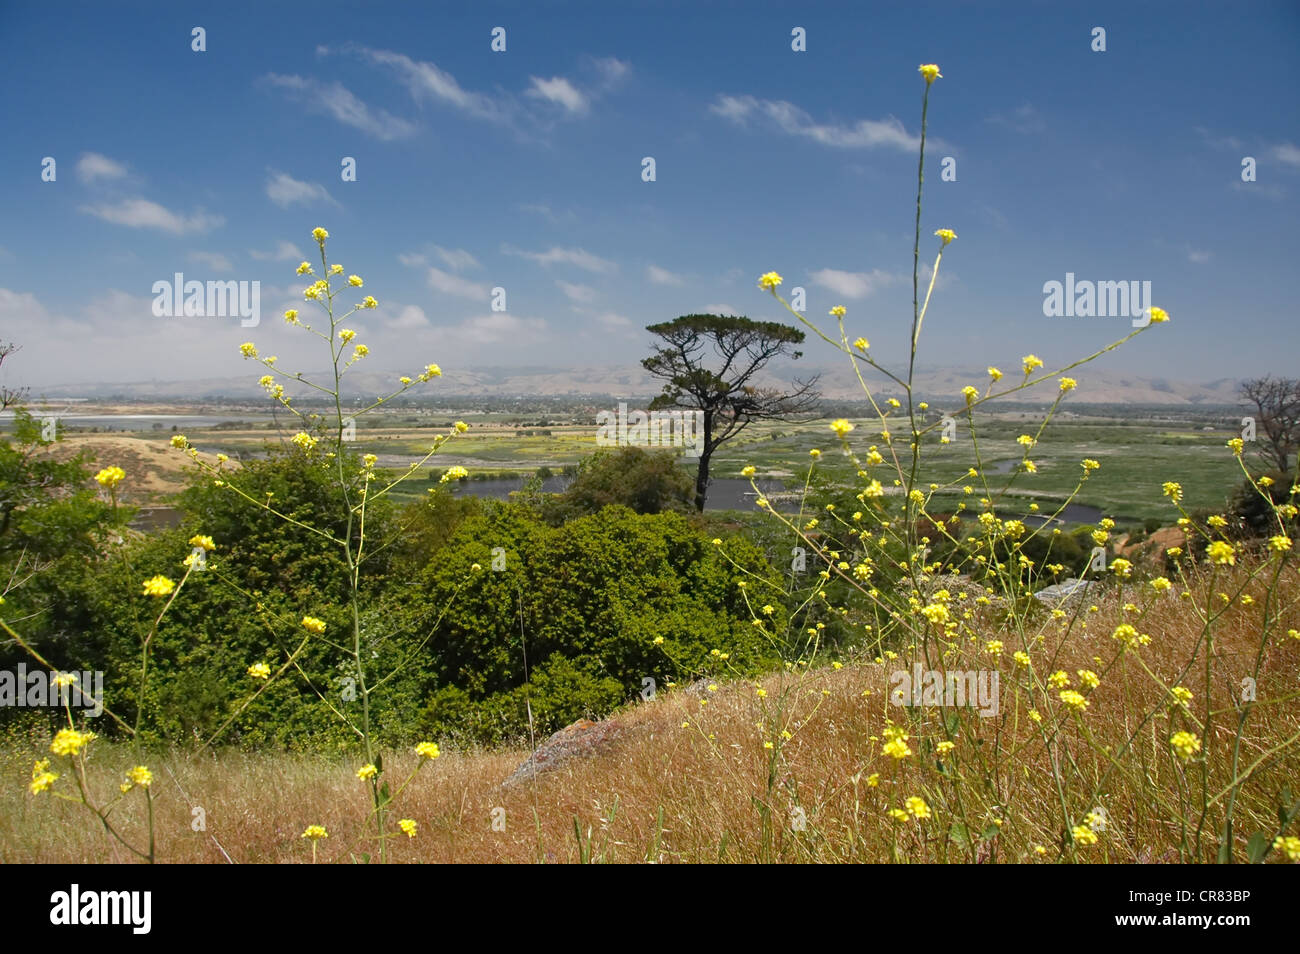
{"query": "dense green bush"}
[(645, 481), (569, 617)]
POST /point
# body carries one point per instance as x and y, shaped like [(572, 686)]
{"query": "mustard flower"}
[(1221, 553), (313, 625), (1083, 836), (917, 808), (1185, 745), (158, 586), (110, 476), (140, 775), (315, 832), (769, 281), (930, 71), (70, 741), (367, 772)]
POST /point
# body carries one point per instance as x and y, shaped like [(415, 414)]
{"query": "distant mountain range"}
[(632, 382)]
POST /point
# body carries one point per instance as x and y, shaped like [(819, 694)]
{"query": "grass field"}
[(680, 782), (1137, 456)]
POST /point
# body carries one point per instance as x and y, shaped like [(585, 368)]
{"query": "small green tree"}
[(644, 481)]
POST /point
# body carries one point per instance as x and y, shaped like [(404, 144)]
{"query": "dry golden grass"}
[(711, 780)]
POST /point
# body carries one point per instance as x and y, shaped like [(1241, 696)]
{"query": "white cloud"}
[(567, 256), (853, 284), (426, 81), (558, 90), (721, 309), (456, 258), (612, 69), (140, 213), (494, 328), (214, 260), (450, 284), (580, 293), (92, 166), (1225, 142), (402, 317), (339, 102), (1023, 119), (284, 190), (661, 276), (1197, 258), (546, 212), (864, 134), (1288, 153), (611, 320), (284, 252)]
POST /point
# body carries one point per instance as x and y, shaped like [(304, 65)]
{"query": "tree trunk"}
[(702, 475)]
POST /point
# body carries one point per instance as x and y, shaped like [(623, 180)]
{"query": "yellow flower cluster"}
[(70, 741), (427, 750), (110, 476), (42, 777), (158, 586), (1185, 745)]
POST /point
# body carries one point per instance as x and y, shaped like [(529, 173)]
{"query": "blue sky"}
[(522, 170)]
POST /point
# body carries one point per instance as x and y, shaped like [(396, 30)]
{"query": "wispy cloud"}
[(578, 257), (284, 190), (284, 252), (92, 166), (1023, 119), (450, 284), (214, 260), (546, 212), (140, 213), (579, 293), (786, 116), (612, 320), (427, 82), (560, 91), (494, 328), (336, 100), (456, 258), (853, 284), (661, 276), (1197, 257), (1288, 153), (1218, 142)]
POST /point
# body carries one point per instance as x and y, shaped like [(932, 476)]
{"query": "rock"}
[(582, 738), (1068, 589)]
